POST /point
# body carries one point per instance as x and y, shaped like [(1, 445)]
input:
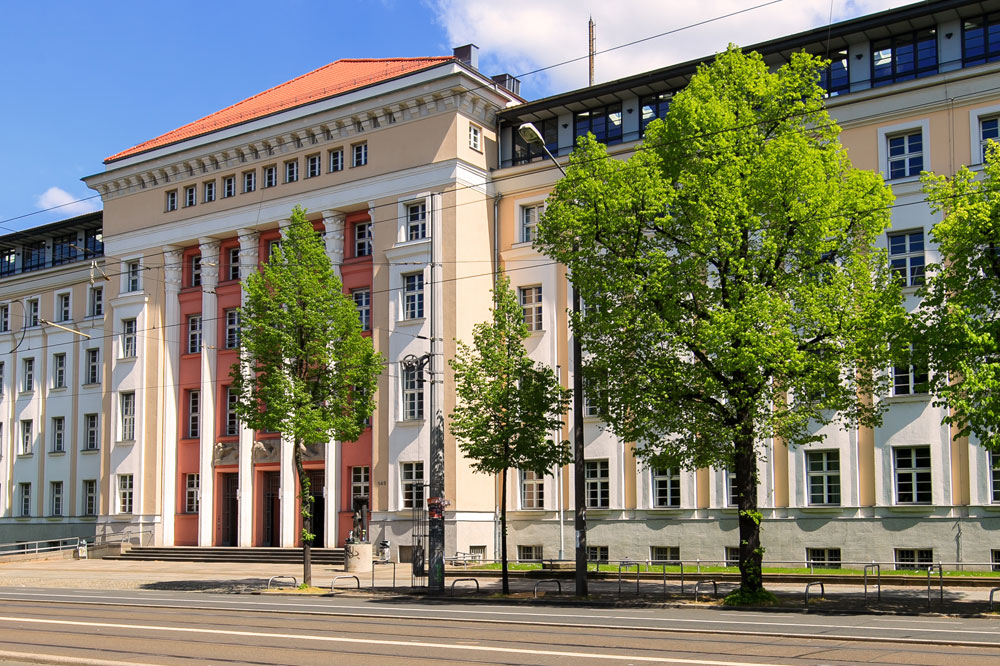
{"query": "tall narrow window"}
[(291, 171), (2, 382), (4, 318), (475, 137), (133, 280), (124, 493), (62, 308), (529, 222), (232, 329), (127, 407), (249, 181), (995, 477), (363, 303), (95, 306), (90, 497), (413, 394), (28, 375), (906, 257), (25, 493), (194, 334), (413, 296), (532, 490), (360, 154), (234, 263), (359, 482), (196, 270), (58, 434), (194, 414), (412, 484), (171, 203), (416, 221), (597, 484), (228, 187), (93, 374), (92, 432), (270, 176), (33, 314), (312, 166), (128, 338), (910, 377), (666, 487), (824, 477), (732, 489), (912, 466), (192, 489), (232, 420), (362, 239), (337, 159), (27, 437), (56, 498), (190, 196), (531, 304), (906, 154), (59, 371), (209, 189)]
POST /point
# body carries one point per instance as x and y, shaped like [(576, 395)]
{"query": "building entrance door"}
[(230, 508), (272, 509)]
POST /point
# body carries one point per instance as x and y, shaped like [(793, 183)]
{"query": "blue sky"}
[(83, 80)]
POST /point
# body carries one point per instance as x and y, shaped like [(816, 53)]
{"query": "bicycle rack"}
[(995, 589), (697, 588), (534, 591), (374, 562), (878, 572), (336, 578), (940, 571), (822, 590), (295, 581), (462, 580), (627, 565)]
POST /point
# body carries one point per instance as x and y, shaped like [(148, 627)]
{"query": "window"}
[(273, 246), (666, 487), (359, 482), (171, 200), (835, 78), (128, 338), (413, 484), (33, 256), (59, 371), (910, 377), (58, 434), (124, 493), (8, 261), (653, 107), (823, 470), (475, 137), (597, 554), (732, 556), (531, 305), (529, 222), (132, 276), (234, 263), (25, 493), (194, 334), (981, 40), (232, 329), (529, 553), (64, 250), (228, 187), (127, 405), (413, 394), (93, 243), (194, 414), (312, 166), (732, 490), (413, 296), (92, 432), (249, 181), (27, 437), (209, 189), (1, 380), (33, 312), (665, 554), (190, 196), (594, 398), (605, 123), (362, 239), (337, 160), (196, 270), (363, 303), (995, 557), (532, 490), (906, 257), (598, 486), (523, 152), (994, 473), (912, 467), (914, 558), (28, 375), (989, 129), (192, 485), (93, 375), (359, 152), (291, 171), (4, 318), (416, 221), (56, 498), (827, 558), (904, 57), (270, 176), (906, 154), (95, 305), (232, 420), (62, 308), (90, 497)]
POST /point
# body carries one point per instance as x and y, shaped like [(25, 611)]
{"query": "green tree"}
[(733, 293), (305, 370), (959, 322), (508, 405)]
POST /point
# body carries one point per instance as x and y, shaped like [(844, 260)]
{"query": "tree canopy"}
[(734, 295)]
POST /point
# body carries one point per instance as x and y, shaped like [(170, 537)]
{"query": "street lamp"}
[(531, 135)]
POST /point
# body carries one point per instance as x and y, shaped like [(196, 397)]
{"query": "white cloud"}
[(518, 36), (68, 205)]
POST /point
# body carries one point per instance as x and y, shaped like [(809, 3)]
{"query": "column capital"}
[(173, 267), (333, 223), (209, 262)]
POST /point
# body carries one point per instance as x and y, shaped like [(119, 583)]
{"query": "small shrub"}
[(740, 597)]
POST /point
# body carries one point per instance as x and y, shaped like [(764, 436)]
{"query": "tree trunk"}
[(751, 554), (503, 532), (305, 499)]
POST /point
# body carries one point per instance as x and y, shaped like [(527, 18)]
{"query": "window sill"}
[(127, 358), (410, 422), (415, 321), (903, 179), (92, 385), (22, 519), (912, 508), (121, 517), (909, 397), (57, 454), (22, 394), (88, 452), (89, 519), (521, 244), (54, 519), (56, 389), (26, 455), (821, 508), (125, 442), (666, 510)]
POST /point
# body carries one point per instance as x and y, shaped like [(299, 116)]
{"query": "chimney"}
[(509, 82), (468, 54)]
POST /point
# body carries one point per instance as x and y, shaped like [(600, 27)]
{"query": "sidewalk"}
[(249, 578)]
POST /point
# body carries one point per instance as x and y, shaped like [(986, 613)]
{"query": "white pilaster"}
[(173, 259), (333, 222), (288, 475), (248, 265), (209, 344)]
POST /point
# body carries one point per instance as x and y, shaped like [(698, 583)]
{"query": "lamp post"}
[(531, 135)]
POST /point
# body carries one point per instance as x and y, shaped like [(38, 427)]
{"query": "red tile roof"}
[(327, 81)]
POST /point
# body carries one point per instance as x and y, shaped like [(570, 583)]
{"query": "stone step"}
[(223, 554)]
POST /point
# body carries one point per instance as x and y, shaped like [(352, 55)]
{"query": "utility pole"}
[(591, 46)]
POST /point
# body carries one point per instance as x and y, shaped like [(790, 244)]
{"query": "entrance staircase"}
[(333, 556)]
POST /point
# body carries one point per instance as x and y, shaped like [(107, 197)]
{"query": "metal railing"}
[(697, 588), (378, 562), (295, 581), (465, 580), (877, 568), (822, 590), (40, 547), (534, 591), (333, 583), (940, 571), (626, 564)]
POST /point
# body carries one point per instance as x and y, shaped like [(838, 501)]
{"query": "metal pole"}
[(436, 518), (579, 484)]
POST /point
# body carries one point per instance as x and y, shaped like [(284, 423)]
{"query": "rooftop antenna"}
[(591, 46)]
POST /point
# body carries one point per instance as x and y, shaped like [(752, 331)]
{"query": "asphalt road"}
[(147, 627)]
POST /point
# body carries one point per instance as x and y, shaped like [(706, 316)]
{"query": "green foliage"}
[(959, 323), (734, 293), (756, 597), (305, 370)]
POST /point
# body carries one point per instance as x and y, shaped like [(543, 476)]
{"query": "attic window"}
[(359, 126)]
